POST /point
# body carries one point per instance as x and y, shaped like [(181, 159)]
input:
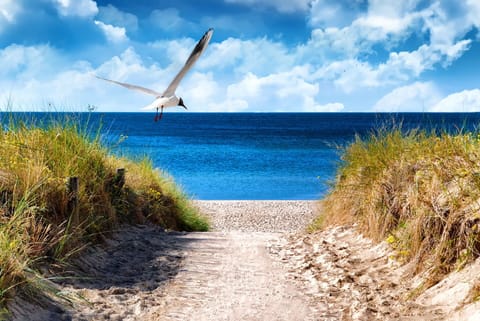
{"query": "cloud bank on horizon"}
[(265, 55)]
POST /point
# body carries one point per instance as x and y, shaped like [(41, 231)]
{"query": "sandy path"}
[(231, 276), (145, 273), (241, 272)]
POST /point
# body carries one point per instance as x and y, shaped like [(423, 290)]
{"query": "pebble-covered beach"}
[(258, 216)]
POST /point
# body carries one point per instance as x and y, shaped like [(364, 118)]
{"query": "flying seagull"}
[(168, 97)]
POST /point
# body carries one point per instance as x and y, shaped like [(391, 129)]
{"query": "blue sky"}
[(265, 55)]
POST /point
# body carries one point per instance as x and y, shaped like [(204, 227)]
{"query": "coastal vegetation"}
[(418, 190), (42, 223)]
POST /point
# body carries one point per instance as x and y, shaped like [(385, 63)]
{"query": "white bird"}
[(168, 97)]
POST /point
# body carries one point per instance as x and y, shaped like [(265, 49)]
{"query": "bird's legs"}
[(159, 116)]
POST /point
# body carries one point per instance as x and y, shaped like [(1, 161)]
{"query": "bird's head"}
[(180, 103)]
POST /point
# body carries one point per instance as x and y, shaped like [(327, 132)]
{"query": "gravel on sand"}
[(258, 216)]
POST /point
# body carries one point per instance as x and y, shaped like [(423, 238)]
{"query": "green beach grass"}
[(37, 225), (419, 191)]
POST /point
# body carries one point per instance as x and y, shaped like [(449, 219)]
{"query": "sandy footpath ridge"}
[(350, 278)]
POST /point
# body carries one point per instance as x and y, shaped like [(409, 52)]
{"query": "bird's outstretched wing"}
[(196, 53), (133, 87)]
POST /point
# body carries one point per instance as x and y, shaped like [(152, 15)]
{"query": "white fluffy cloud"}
[(285, 91), (201, 91), (464, 101), (168, 19), (473, 11), (425, 97), (285, 6), (353, 27), (349, 25), (113, 16), (448, 22), (8, 10), (122, 66), (251, 85), (71, 85), (112, 33), (416, 97), (337, 14), (330, 108), (259, 56), (353, 74), (38, 81), (27, 62), (340, 50), (355, 47), (80, 8)]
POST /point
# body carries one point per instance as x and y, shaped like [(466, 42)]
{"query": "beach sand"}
[(259, 216), (257, 264)]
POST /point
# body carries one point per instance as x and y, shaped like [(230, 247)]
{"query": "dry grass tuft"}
[(37, 226), (419, 191)]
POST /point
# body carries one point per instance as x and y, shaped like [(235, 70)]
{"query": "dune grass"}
[(36, 224), (418, 190)]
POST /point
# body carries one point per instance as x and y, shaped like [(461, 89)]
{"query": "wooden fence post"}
[(72, 199), (120, 178)]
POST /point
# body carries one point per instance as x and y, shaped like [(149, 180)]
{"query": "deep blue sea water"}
[(257, 156)]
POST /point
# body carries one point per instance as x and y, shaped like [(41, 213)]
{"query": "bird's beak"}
[(180, 103)]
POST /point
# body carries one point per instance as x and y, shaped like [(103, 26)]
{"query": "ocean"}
[(252, 156)]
